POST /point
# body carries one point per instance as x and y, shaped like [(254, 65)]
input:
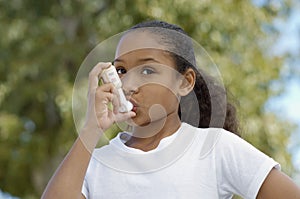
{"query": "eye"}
[(121, 70), (147, 71)]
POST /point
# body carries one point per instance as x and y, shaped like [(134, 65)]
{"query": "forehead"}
[(138, 40), (142, 56)]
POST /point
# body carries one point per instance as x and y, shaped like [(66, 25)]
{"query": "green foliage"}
[(44, 43)]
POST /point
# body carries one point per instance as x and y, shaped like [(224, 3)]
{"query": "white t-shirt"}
[(192, 163)]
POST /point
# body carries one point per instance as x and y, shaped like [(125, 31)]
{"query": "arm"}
[(278, 185), (250, 173), (67, 181)]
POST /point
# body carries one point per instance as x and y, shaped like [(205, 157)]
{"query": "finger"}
[(103, 98), (94, 74), (109, 87), (120, 117), (116, 101), (101, 107), (116, 104), (102, 112), (100, 97), (114, 98)]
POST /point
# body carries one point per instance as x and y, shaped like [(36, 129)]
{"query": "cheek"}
[(159, 95), (157, 102), (170, 101)]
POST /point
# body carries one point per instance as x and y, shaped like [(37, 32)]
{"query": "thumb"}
[(120, 117)]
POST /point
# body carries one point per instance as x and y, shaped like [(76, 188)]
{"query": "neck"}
[(155, 132)]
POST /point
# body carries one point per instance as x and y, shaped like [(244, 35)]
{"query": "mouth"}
[(134, 109), (135, 104)]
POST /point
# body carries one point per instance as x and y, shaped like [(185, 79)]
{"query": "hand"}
[(99, 116)]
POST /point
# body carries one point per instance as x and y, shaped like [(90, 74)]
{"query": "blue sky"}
[(287, 105)]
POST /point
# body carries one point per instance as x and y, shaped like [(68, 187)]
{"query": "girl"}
[(163, 156)]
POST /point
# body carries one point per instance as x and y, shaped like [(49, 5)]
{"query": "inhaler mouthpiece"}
[(125, 106)]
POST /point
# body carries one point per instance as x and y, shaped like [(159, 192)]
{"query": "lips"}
[(134, 103), (134, 109)]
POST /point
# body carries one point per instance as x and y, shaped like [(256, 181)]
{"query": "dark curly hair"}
[(212, 100)]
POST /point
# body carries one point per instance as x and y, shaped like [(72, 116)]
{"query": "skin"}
[(68, 178), (151, 72), (164, 121), (278, 185)]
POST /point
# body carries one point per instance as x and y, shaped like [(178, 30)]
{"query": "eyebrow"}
[(147, 59), (139, 60), (117, 60)]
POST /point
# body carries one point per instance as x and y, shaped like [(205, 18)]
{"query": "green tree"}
[(44, 43)]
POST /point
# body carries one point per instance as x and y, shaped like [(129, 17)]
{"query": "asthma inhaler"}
[(110, 75)]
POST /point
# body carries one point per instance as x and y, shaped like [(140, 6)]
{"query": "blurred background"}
[(256, 45)]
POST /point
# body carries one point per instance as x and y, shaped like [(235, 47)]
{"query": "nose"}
[(130, 84)]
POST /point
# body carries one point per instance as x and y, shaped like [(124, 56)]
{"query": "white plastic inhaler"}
[(110, 75)]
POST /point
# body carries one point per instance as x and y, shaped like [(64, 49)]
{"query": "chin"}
[(137, 123)]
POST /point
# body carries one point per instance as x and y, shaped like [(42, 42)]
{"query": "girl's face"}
[(149, 77)]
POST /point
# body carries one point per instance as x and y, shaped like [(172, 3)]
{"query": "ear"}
[(188, 80)]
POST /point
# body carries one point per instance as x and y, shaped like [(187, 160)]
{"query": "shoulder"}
[(229, 149), (241, 168), (235, 150), (231, 144), (212, 140)]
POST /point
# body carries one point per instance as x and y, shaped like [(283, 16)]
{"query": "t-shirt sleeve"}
[(242, 168), (84, 189), (89, 178)]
